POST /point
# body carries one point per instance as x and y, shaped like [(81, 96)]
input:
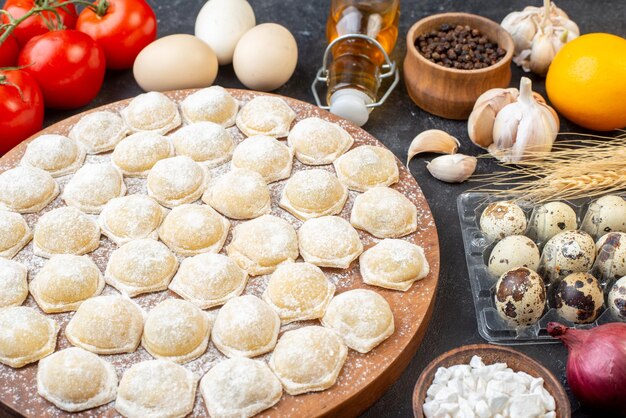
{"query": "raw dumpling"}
[(265, 115), (267, 156), (361, 317), (56, 154), (239, 194), (65, 230), (156, 389), (209, 280), (26, 336), (99, 131), (141, 266), (260, 245), (318, 142), (329, 241), (137, 154), (75, 380), (393, 264), (212, 104), (298, 292), (367, 166), (313, 193), (384, 213), (14, 233), (177, 180), (193, 229), (206, 143), (13, 283), (153, 112), (131, 217), (106, 325), (308, 359), (245, 326), (239, 387), (26, 189), (65, 281), (93, 186)]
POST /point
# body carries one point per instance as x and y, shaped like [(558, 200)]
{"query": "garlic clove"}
[(432, 140), (452, 168), (542, 52), (522, 27), (482, 118)]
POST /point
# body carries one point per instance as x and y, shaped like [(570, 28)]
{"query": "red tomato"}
[(8, 52), (37, 24), (123, 29), (68, 65), (21, 108)]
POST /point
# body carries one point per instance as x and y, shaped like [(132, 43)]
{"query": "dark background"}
[(454, 322)]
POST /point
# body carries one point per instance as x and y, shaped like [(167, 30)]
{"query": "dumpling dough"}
[(93, 186), (246, 327), (106, 325), (239, 387), (318, 142), (26, 189), (265, 115), (75, 380), (212, 104), (329, 241), (308, 359), (176, 330), (156, 389), (26, 336), (99, 131), (384, 213), (14, 233), (367, 166), (56, 154), (393, 264), (131, 217), (137, 154), (298, 292), (313, 193), (65, 281), (193, 229), (209, 280), (153, 112), (206, 143), (141, 266), (13, 283), (239, 194), (260, 245), (363, 319), (267, 156), (177, 180), (65, 230)]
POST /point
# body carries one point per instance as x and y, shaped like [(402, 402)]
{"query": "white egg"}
[(612, 255), (552, 218), (568, 252), (513, 251), (221, 23), (520, 296), (617, 298), (501, 219), (607, 214)]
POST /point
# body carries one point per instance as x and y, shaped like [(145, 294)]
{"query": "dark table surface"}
[(454, 322)]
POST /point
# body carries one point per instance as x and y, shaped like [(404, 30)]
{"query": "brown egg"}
[(520, 296), (579, 298)]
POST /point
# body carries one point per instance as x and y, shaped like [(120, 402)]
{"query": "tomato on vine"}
[(57, 14), (9, 50)]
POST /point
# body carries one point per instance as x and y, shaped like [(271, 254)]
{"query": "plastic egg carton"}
[(491, 326)]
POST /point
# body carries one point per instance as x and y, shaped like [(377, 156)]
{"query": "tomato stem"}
[(4, 82)]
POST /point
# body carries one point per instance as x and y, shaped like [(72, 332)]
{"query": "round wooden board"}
[(364, 378)]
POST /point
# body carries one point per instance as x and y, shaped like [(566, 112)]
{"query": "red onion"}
[(596, 367)]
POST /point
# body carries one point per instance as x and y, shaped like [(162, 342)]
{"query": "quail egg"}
[(612, 255), (513, 251), (501, 219), (579, 298), (520, 296), (606, 214), (552, 218), (617, 298), (568, 252)]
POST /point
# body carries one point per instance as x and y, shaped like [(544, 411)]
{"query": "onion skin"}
[(596, 367)]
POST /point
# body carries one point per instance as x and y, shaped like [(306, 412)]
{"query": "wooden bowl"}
[(491, 354), (448, 92)]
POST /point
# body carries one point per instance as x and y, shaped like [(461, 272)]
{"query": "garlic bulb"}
[(483, 116), (454, 168), (432, 140)]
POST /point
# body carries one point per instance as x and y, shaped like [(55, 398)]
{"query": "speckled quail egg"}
[(552, 218), (513, 251), (520, 296), (568, 252), (606, 214), (617, 298), (611, 260), (579, 298), (501, 219)]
